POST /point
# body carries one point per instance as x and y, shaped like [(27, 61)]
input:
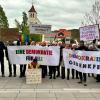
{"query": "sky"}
[(59, 13)]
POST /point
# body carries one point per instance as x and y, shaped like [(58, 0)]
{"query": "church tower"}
[(33, 19), (33, 16)]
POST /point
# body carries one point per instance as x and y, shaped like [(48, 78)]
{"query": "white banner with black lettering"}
[(25, 54), (39, 29), (82, 61)]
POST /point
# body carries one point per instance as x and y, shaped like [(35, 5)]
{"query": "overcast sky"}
[(58, 13)]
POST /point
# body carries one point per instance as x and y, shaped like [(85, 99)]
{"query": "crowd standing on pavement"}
[(51, 71)]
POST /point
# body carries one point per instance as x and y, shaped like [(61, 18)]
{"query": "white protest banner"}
[(25, 54), (39, 29), (82, 61), (90, 32)]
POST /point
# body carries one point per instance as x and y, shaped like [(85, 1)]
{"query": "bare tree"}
[(93, 17)]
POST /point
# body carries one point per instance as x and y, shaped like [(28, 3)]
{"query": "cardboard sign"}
[(33, 76)]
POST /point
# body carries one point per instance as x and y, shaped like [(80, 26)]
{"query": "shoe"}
[(54, 77), (77, 77), (67, 78), (50, 77), (58, 76), (72, 77), (24, 75), (20, 76), (63, 77), (92, 75), (80, 82), (14, 75), (97, 81), (43, 76), (10, 75), (89, 76), (3, 75), (85, 84)]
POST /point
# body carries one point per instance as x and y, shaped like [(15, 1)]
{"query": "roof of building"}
[(62, 33), (10, 34), (51, 35), (32, 9)]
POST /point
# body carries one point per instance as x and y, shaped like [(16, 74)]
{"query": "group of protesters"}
[(54, 71)]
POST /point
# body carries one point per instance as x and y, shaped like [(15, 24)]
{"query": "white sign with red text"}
[(25, 54)]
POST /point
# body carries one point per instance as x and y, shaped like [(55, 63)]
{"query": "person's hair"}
[(94, 41), (35, 60), (82, 42)]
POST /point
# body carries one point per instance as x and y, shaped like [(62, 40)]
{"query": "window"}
[(33, 15), (30, 14)]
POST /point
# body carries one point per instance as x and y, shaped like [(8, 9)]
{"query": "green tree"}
[(3, 19), (75, 35), (23, 27), (36, 37)]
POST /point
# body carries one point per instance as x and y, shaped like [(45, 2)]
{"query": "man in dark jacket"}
[(43, 67), (10, 65), (2, 47), (60, 60), (82, 76)]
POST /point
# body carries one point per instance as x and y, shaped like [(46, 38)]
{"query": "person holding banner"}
[(2, 47), (43, 67), (10, 65), (97, 48), (52, 69), (68, 69), (71, 47), (74, 47), (82, 76), (61, 57), (23, 67)]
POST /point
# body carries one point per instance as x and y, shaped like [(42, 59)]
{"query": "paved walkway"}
[(15, 88)]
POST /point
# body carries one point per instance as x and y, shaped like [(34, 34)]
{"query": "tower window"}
[(33, 15), (30, 14)]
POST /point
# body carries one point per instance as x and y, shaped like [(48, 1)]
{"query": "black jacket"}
[(2, 47), (82, 48)]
